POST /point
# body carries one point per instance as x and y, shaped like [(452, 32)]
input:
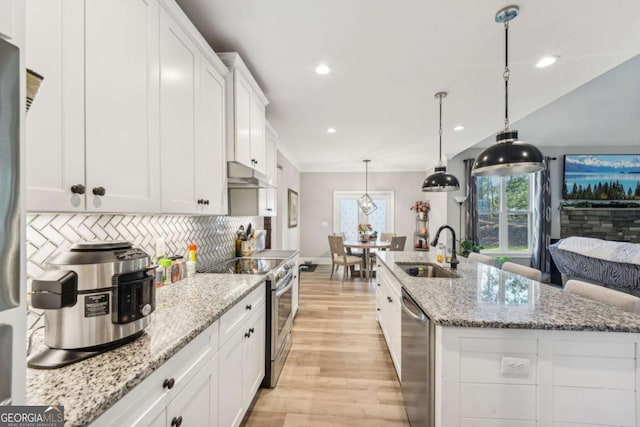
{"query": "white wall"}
[(288, 178), (316, 201)]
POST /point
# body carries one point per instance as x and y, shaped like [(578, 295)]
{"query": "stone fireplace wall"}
[(618, 224)]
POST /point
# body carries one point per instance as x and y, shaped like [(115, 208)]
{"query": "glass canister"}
[(440, 253)]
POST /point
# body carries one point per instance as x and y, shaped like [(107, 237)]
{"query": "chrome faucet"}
[(454, 259)]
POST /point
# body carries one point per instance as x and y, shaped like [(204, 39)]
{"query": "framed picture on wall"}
[(293, 209)]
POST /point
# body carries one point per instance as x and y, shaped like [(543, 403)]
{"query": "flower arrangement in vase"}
[(364, 230), (422, 208)]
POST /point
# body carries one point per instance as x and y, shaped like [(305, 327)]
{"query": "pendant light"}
[(508, 156), (440, 180), (365, 202)]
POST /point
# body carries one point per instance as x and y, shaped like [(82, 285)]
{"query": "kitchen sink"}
[(426, 269)]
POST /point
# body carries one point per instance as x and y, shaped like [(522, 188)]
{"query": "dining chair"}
[(483, 259), (339, 257), (397, 243), (522, 270), (604, 295), (386, 237)]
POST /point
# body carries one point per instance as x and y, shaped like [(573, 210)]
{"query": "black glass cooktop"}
[(245, 266)]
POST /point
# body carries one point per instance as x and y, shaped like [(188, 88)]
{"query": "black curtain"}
[(471, 209), (540, 257)]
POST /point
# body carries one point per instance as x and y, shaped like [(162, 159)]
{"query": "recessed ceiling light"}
[(458, 128), (323, 69), (331, 130), (546, 61)]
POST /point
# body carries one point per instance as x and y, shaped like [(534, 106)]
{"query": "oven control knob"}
[(145, 310)]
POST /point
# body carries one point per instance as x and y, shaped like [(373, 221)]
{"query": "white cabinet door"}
[(258, 131), (230, 403), (211, 166), (193, 406), (243, 129), (55, 122), (268, 196), (121, 81), (253, 355), (179, 63), (6, 18)]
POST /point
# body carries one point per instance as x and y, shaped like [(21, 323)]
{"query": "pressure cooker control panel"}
[(135, 297)]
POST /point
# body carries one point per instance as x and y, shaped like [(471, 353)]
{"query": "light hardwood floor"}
[(339, 372)]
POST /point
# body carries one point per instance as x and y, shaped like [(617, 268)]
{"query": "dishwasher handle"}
[(408, 306)]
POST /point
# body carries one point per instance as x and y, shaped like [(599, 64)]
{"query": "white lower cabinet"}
[(211, 382), (389, 309), (242, 362), (295, 294)]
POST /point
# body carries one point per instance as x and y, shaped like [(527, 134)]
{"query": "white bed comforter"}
[(621, 252)]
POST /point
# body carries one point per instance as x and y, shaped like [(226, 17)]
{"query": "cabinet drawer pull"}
[(247, 334), (176, 421), (99, 191), (169, 383), (206, 202), (389, 299), (78, 189), (248, 307), (200, 201), (251, 330)]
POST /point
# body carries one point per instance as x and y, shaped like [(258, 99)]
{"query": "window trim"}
[(341, 194), (503, 223)]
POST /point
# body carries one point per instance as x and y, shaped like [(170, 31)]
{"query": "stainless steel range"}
[(279, 273)]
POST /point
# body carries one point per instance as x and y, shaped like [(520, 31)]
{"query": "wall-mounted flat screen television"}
[(601, 177)]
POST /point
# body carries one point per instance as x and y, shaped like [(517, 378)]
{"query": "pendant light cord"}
[(366, 177), (505, 75), (440, 131)]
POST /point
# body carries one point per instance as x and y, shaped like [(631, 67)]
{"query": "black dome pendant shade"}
[(508, 156), (440, 180)]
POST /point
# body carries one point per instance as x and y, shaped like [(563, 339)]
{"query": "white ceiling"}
[(389, 58), (604, 111)]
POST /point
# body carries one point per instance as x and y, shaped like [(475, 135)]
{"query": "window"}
[(504, 213), (347, 215)]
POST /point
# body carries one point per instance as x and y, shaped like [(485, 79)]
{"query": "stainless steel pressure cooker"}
[(97, 295)]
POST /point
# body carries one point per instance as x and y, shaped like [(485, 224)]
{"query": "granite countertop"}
[(183, 310), (487, 297)]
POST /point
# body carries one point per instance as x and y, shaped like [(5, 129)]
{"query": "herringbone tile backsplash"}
[(214, 235)]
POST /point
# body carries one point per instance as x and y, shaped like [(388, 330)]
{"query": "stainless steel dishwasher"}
[(418, 367)]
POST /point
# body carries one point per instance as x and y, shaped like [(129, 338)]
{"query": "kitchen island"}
[(185, 312), (509, 351)]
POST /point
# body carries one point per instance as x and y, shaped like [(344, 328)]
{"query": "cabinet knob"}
[(389, 299), (176, 421), (247, 334), (206, 202), (377, 309), (248, 307), (169, 383), (200, 201), (78, 189), (251, 330), (99, 191), (269, 209)]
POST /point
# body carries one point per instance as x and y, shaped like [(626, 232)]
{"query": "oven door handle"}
[(281, 291)]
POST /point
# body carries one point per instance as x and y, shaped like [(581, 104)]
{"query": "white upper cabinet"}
[(130, 116), (211, 175), (192, 121), (178, 73), (122, 118), (92, 130), (245, 115), (268, 197), (55, 121)]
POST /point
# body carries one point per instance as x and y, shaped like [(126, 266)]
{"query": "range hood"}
[(241, 176)]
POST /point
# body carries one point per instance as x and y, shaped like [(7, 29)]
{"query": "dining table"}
[(366, 250)]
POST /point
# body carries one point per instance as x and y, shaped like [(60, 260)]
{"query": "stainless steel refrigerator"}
[(12, 305)]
